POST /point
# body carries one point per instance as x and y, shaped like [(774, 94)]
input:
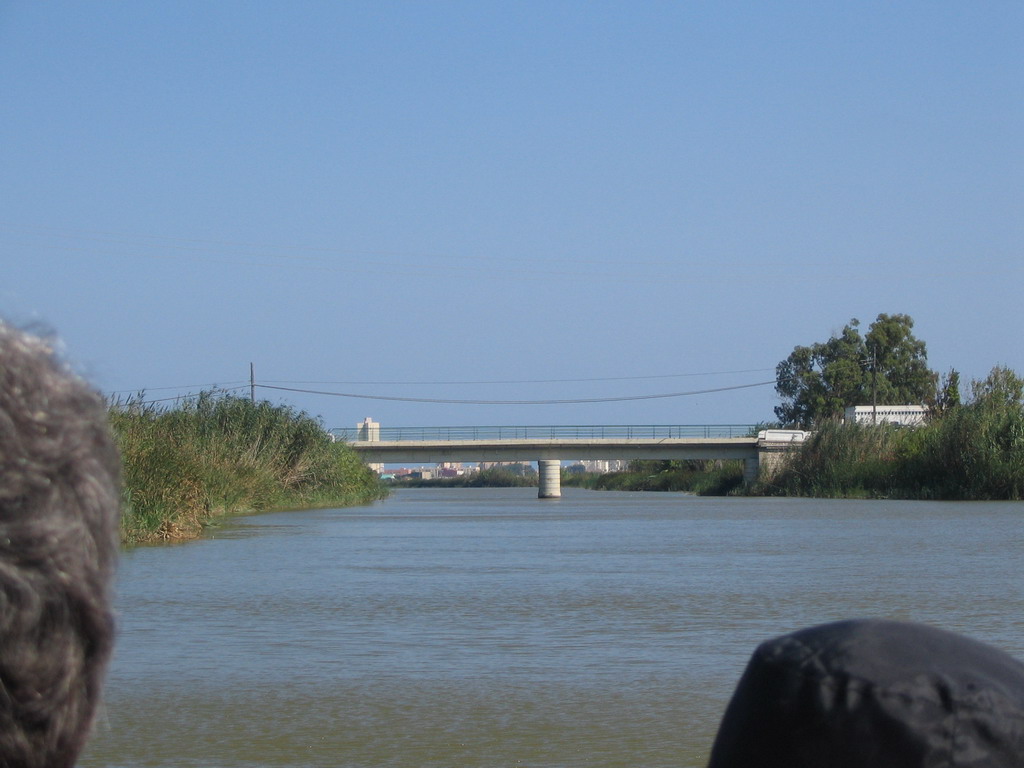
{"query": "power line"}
[(528, 381), (230, 385), (237, 384), (570, 401), (185, 396), (251, 385)]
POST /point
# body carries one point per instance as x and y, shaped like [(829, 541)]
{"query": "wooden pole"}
[(874, 388)]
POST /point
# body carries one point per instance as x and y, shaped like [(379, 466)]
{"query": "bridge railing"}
[(593, 432)]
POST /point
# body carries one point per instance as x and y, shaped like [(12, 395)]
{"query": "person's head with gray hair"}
[(59, 512)]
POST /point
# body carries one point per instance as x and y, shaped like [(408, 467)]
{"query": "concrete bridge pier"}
[(549, 472)]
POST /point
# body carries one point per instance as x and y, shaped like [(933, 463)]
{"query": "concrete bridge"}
[(548, 446)]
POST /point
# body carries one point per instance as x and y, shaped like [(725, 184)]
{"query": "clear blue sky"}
[(536, 192)]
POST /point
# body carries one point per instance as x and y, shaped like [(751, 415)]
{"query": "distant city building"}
[(368, 430), (604, 466), (902, 415), (444, 469), (495, 464), (450, 469), (600, 467)]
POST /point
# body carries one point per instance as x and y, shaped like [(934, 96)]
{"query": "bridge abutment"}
[(774, 448), (549, 472)]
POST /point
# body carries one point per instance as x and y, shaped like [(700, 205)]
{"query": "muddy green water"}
[(482, 627)]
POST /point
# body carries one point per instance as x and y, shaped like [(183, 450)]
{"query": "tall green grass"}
[(974, 451), (840, 460), (221, 454)]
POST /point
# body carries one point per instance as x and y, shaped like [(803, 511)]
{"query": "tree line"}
[(888, 365), (970, 447)]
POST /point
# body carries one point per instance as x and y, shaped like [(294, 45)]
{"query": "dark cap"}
[(874, 694)]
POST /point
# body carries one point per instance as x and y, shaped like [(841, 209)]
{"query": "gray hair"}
[(59, 512)]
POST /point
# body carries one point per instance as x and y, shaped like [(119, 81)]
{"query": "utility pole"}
[(252, 384), (874, 388)]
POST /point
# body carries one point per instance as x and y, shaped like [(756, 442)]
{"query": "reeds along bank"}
[(971, 452), (219, 454)]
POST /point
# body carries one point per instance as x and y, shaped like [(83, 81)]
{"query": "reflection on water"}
[(482, 627)]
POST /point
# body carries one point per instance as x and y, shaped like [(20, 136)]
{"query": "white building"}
[(902, 415), (369, 430), (603, 467)]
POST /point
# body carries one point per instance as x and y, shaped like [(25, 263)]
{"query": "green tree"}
[(900, 361), (1002, 389), (947, 394), (888, 365)]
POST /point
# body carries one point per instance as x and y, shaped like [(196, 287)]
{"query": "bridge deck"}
[(534, 449), (537, 432)]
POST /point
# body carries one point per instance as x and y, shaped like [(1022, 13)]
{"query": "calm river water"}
[(482, 627)]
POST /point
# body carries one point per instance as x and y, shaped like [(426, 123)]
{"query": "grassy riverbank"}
[(974, 452), (218, 455)]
